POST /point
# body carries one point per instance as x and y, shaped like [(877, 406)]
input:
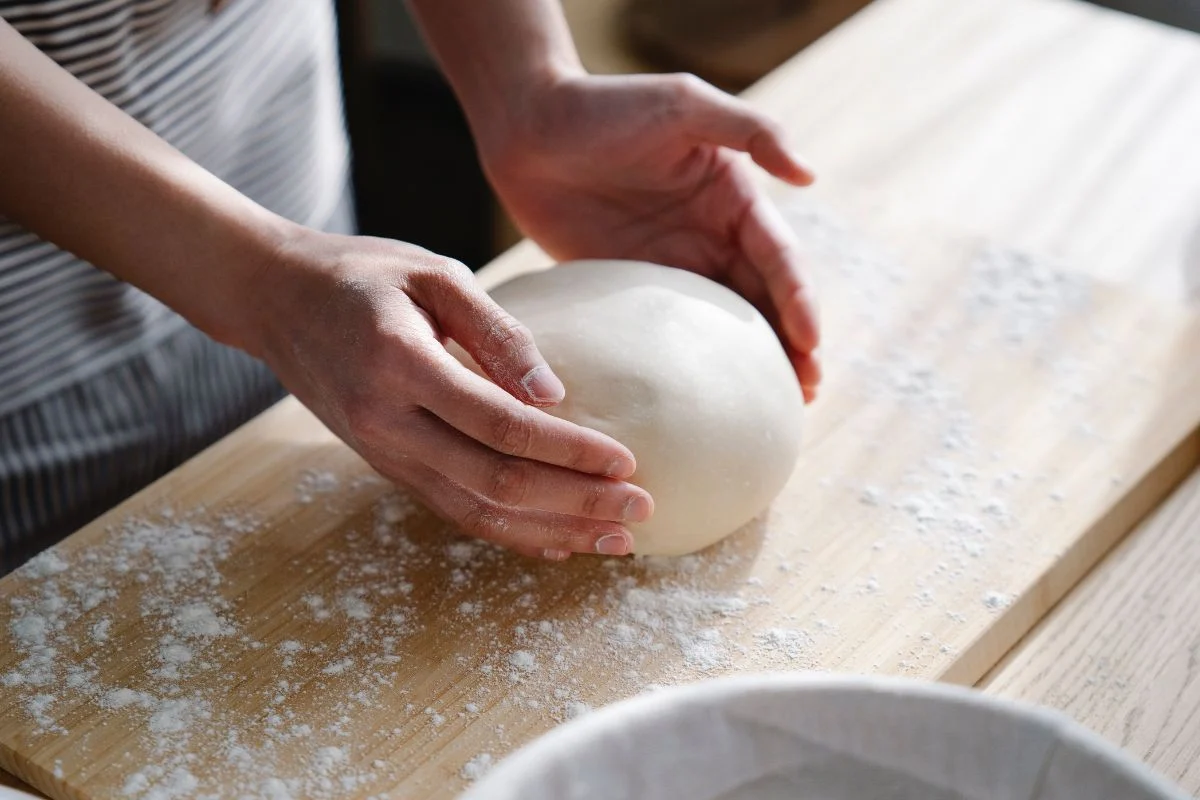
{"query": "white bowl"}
[(820, 737)]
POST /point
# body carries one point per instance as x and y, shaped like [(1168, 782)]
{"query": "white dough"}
[(683, 372)]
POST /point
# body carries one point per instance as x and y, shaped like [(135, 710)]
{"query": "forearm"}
[(80, 173), (495, 52)]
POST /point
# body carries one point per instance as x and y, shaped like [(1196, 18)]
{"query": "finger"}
[(808, 371), (772, 249), (745, 279), (546, 555), (489, 415), (528, 532), (502, 346), (747, 282), (521, 483), (722, 119)]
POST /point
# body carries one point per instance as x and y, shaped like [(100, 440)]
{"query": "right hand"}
[(356, 328)]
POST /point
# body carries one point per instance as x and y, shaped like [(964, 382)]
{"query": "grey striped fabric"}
[(83, 449), (101, 387)]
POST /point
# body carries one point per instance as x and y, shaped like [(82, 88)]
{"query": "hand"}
[(643, 167), (355, 327)]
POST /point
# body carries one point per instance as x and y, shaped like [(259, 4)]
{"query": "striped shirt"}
[(250, 92), (102, 388)]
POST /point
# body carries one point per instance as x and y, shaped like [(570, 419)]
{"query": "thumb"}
[(499, 343), (722, 119)]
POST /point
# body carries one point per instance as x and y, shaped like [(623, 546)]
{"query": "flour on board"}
[(329, 684)]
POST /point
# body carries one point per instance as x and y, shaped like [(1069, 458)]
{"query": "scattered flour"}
[(646, 621), (337, 667), (523, 660), (475, 769), (44, 565), (789, 643), (575, 708), (169, 571), (1030, 294), (316, 482), (100, 630), (997, 600)]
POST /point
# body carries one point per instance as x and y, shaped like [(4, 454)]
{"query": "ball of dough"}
[(683, 372)]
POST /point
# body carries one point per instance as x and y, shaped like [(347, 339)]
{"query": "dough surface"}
[(683, 372)]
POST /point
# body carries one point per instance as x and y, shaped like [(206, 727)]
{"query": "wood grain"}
[(1121, 653), (897, 559), (1051, 125), (966, 476)]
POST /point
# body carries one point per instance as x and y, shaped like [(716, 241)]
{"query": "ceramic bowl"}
[(820, 737)]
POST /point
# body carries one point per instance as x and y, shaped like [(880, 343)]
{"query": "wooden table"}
[(1121, 653), (1042, 124), (1105, 106)]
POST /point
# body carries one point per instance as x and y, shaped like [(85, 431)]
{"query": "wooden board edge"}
[(24, 775), (1018, 620)]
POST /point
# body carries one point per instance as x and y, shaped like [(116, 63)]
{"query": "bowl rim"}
[(11, 793), (574, 735)]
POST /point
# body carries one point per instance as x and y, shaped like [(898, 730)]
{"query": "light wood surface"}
[(929, 557), (1008, 470), (1049, 124), (1052, 125), (1122, 652)]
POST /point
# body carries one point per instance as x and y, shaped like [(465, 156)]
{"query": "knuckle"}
[(481, 520), (361, 418), (436, 275), (513, 434), (578, 457), (679, 93), (506, 337), (453, 273), (766, 130), (765, 139), (434, 267), (589, 503), (509, 482), (686, 84)]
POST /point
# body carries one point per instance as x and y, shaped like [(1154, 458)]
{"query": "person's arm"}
[(631, 166), (497, 54), (79, 172), (353, 326)]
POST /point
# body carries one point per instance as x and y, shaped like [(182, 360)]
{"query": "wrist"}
[(529, 121), (243, 273), (512, 116)]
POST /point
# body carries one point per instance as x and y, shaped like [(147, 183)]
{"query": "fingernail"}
[(637, 509), (543, 385), (614, 544), (803, 164), (556, 555), (620, 467)]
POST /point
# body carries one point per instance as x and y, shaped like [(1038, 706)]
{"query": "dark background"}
[(415, 173)]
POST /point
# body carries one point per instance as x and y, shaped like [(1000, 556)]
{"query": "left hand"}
[(644, 167)]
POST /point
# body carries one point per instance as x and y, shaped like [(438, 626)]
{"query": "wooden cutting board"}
[(272, 620)]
